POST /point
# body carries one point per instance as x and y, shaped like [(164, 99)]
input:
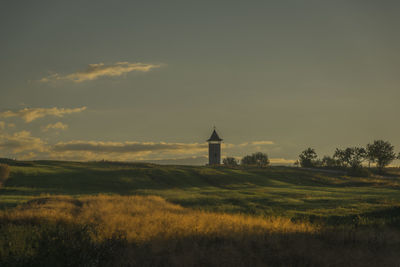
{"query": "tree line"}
[(257, 159), (380, 152)]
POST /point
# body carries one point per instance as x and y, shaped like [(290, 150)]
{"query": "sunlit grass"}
[(149, 231)]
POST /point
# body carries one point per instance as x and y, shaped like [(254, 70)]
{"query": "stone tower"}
[(214, 149)]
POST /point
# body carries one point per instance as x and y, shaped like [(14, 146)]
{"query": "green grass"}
[(276, 191)]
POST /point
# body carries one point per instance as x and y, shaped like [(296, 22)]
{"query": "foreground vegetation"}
[(148, 231), (51, 214)]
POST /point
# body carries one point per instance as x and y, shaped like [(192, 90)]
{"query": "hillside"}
[(277, 191)]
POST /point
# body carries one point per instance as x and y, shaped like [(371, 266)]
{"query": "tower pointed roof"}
[(214, 137)]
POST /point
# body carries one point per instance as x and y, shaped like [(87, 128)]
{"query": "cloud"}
[(281, 161), (129, 147), (31, 114), (55, 126), (22, 142), (95, 71), (256, 143)]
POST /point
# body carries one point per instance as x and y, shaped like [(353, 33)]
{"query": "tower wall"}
[(214, 153)]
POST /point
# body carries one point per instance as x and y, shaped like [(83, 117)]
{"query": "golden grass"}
[(158, 233), (144, 218)]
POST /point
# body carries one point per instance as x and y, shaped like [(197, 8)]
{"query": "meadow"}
[(135, 214)]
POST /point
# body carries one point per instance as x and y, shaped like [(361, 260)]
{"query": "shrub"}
[(230, 162), (4, 173), (258, 159)]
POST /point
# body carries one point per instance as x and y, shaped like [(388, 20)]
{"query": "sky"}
[(148, 80)]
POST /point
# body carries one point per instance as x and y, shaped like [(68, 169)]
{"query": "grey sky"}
[(299, 73)]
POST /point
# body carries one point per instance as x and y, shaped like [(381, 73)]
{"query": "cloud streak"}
[(55, 126), (95, 71), (129, 147), (31, 114), (256, 143)]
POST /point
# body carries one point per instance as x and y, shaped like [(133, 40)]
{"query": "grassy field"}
[(275, 191), (148, 231), (119, 214)]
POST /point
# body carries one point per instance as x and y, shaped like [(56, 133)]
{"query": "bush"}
[(256, 159), (230, 162), (4, 173)]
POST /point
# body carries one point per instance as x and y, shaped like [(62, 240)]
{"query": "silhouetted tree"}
[(260, 159), (230, 162), (307, 158), (342, 157), (329, 162), (382, 153), (350, 157)]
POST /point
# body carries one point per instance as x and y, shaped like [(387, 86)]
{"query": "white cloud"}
[(55, 126), (129, 147), (256, 143), (31, 114), (123, 151), (22, 142), (95, 71)]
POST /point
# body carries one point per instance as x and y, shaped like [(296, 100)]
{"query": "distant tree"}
[(350, 157), (329, 162), (398, 156), (358, 156), (230, 162), (382, 153), (307, 158), (4, 173), (247, 160), (260, 159), (342, 157)]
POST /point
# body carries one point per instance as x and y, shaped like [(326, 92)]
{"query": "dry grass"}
[(153, 232)]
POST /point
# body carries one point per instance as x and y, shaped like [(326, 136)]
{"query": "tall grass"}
[(148, 231)]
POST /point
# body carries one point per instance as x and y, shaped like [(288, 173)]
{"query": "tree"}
[(247, 160), (382, 153), (260, 159), (307, 157), (350, 157), (342, 156), (230, 162), (329, 162)]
